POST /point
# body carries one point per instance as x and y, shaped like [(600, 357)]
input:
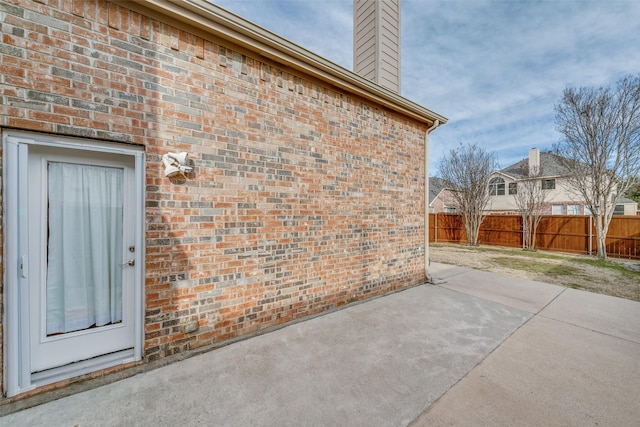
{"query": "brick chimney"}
[(534, 161), (376, 41)]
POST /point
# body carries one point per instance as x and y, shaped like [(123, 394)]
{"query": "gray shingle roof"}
[(550, 164), (436, 185), (623, 199)]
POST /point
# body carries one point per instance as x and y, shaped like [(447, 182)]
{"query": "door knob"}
[(130, 263)]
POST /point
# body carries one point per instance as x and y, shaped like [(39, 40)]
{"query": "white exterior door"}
[(80, 235), (79, 253)]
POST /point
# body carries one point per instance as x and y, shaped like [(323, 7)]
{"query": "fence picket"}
[(563, 233)]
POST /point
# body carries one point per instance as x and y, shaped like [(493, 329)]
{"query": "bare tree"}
[(466, 171), (530, 200), (601, 146)]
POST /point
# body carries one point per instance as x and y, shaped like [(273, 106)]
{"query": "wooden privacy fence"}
[(563, 233)]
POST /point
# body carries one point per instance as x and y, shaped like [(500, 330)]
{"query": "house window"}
[(618, 210), (513, 188), (549, 184), (449, 209), (557, 210), (573, 210), (496, 187)]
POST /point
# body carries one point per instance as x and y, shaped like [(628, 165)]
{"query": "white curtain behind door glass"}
[(84, 272)]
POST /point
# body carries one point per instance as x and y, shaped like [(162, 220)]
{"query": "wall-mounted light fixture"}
[(175, 163)]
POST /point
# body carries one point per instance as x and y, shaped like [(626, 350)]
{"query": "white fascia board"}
[(502, 174), (228, 26)]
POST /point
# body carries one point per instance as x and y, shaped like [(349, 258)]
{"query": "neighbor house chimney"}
[(376, 41), (534, 161)]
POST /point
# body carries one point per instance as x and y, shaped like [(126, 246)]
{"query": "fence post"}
[(435, 228), (590, 235)]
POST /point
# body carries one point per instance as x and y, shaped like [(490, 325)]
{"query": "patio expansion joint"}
[(618, 337), (531, 316), (551, 301), (426, 409), (543, 315)]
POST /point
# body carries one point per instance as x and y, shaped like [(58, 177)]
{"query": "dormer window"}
[(496, 186)]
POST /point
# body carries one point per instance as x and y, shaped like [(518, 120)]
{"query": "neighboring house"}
[(560, 197), (302, 191), (625, 206), (440, 197)]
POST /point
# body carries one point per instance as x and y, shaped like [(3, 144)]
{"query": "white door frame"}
[(17, 372)]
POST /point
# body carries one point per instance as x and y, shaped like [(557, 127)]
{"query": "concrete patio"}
[(478, 349)]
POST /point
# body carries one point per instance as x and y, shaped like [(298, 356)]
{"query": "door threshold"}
[(82, 367)]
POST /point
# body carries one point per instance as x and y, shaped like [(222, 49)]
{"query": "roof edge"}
[(500, 172), (231, 27)]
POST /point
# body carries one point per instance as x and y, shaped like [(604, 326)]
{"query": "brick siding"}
[(303, 197)]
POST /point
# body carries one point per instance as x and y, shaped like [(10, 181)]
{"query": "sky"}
[(495, 69)]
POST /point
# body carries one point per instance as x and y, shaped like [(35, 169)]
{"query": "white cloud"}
[(322, 26)]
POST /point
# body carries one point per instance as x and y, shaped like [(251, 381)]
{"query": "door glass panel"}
[(84, 247)]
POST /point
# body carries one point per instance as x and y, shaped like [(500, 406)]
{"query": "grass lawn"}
[(614, 277)]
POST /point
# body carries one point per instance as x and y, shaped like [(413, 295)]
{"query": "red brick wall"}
[(303, 198)]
